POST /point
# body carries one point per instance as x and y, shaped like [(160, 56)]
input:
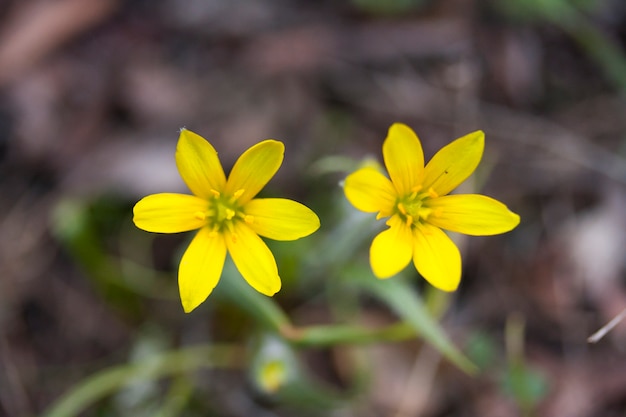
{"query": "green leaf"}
[(403, 300)]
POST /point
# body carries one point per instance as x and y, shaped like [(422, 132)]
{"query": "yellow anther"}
[(409, 220), (380, 215), (214, 192), (402, 208), (432, 193), (248, 219), (200, 215), (230, 213), (214, 231), (238, 193)]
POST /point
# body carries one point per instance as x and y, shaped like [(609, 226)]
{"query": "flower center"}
[(410, 208), (223, 211)]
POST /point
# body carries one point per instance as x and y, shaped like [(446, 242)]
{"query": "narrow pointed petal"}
[(404, 158), (471, 214), (436, 257), (200, 268), (254, 168), (169, 213), (253, 259), (198, 164), (280, 218), (370, 191), (392, 249), (454, 163)]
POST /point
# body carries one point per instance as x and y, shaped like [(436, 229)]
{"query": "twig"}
[(594, 338)]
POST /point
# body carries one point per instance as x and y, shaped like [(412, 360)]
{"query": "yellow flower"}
[(418, 207), (230, 219)]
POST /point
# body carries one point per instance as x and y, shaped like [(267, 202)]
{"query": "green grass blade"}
[(405, 303)]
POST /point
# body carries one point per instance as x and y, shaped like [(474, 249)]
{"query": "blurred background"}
[(94, 92)]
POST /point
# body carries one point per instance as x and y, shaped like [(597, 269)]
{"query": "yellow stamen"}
[(200, 215), (432, 193), (248, 219), (230, 214), (238, 193), (414, 191), (214, 192), (402, 208), (424, 213), (409, 220)]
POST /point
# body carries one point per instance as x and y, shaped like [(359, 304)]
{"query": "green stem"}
[(329, 335), (175, 362)]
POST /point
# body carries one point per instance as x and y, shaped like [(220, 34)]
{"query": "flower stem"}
[(329, 335)]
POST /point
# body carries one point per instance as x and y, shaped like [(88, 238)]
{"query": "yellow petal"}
[(404, 158), (200, 268), (370, 191), (436, 257), (280, 218), (198, 164), (253, 259), (392, 249), (471, 214), (454, 163), (169, 213), (254, 168)]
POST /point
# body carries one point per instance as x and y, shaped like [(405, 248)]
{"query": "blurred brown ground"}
[(93, 92)]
